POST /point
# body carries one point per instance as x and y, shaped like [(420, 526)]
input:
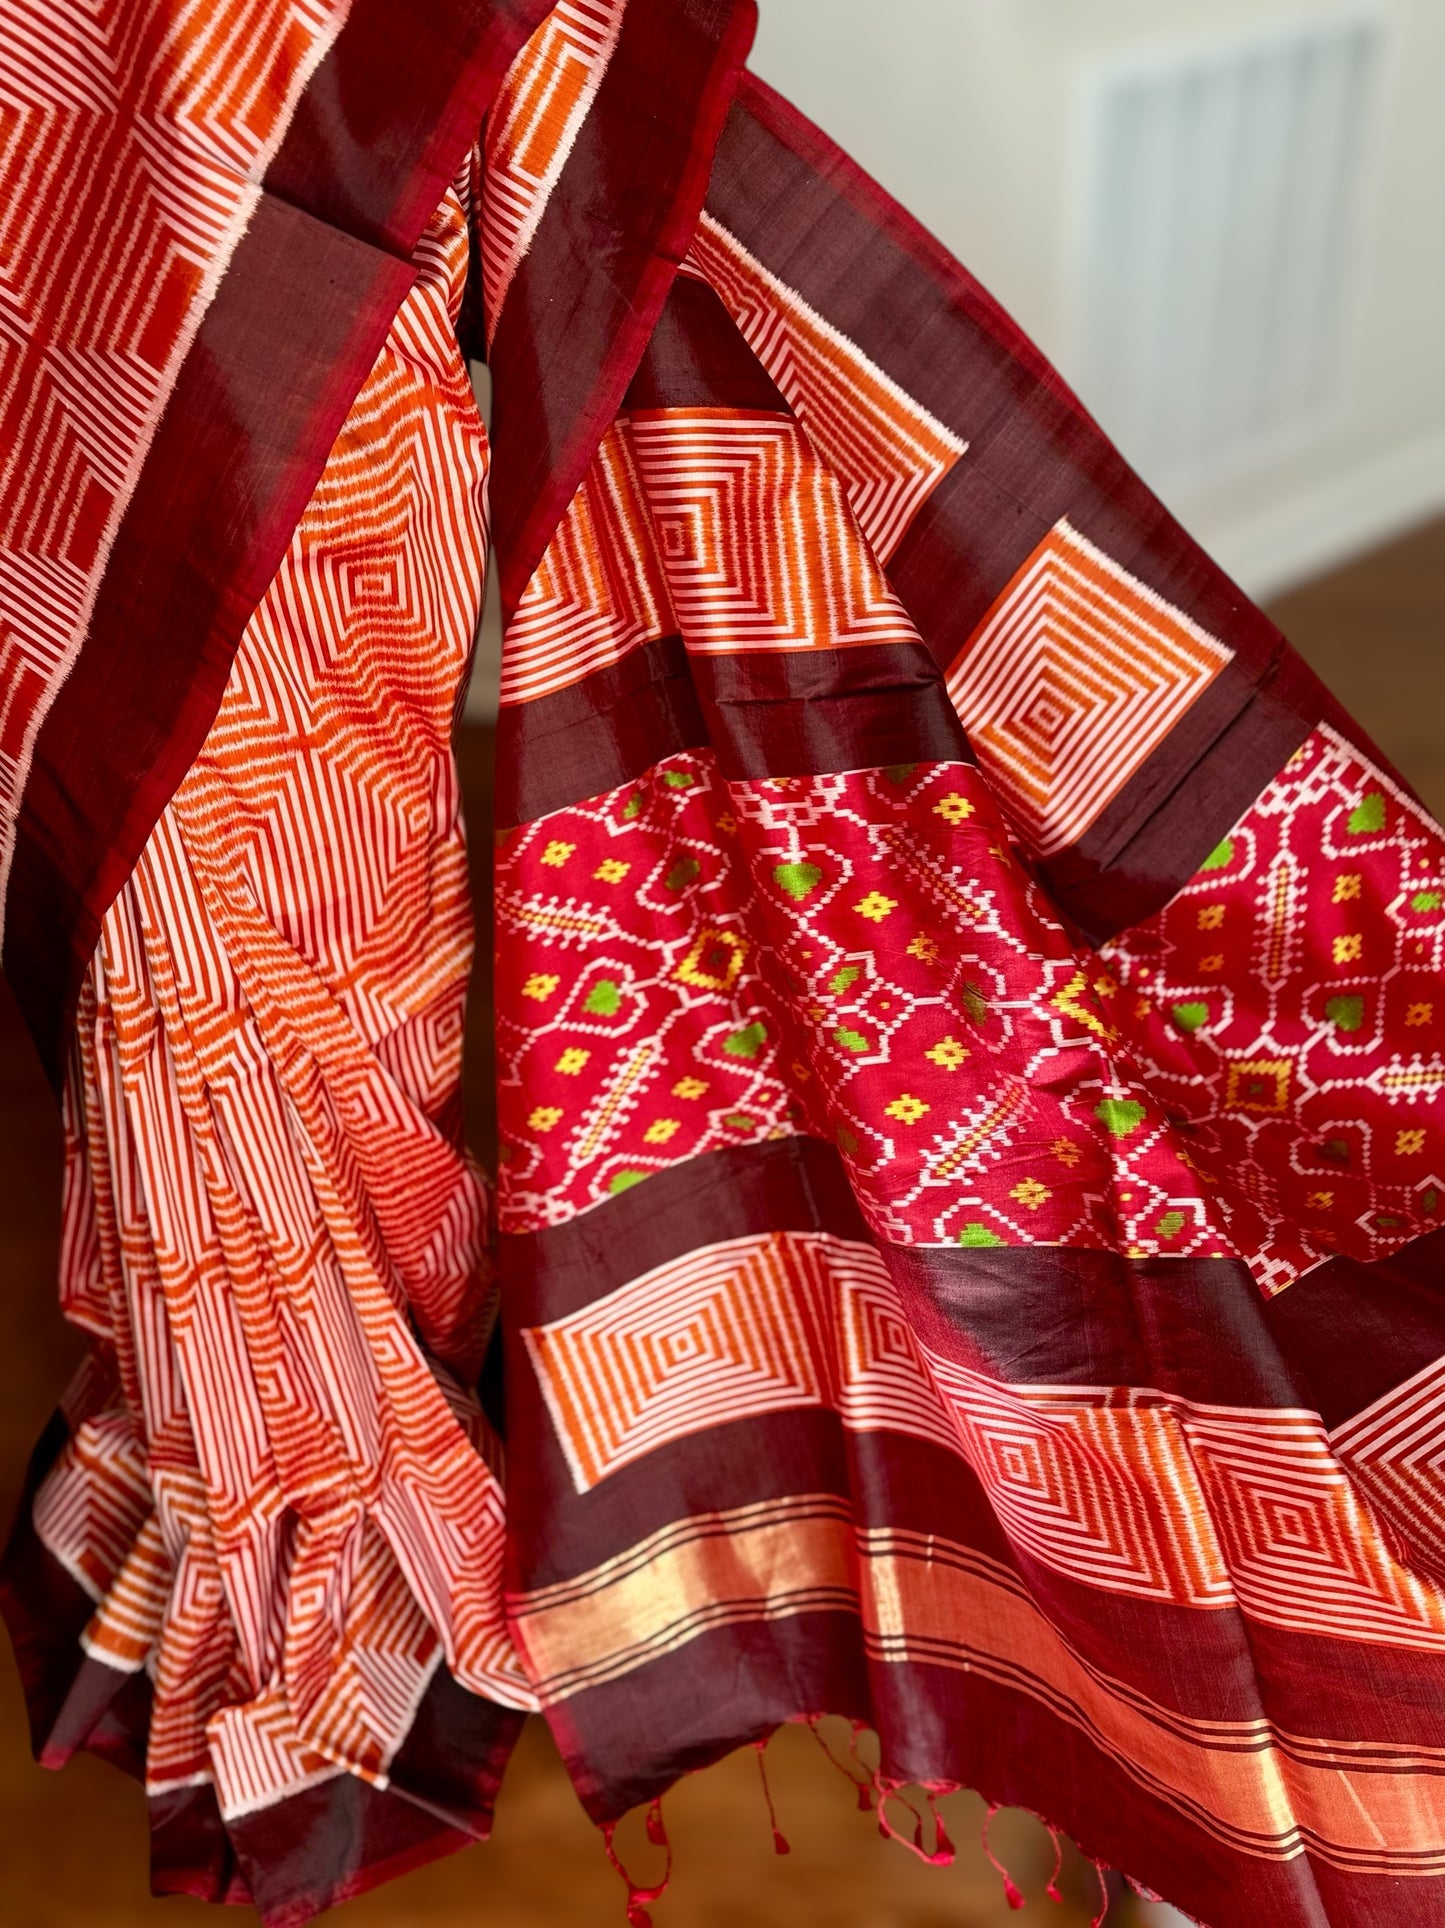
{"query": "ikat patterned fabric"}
[(965, 1246)]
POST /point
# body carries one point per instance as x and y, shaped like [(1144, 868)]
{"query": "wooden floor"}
[(72, 1846)]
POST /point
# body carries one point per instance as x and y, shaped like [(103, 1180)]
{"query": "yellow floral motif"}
[(907, 1108), (953, 808), (1420, 1014), (660, 1130), (1031, 1194), (557, 853), (1105, 987), (1211, 917), (1066, 1151), (1347, 949), (689, 1088), (572, 1060), (1348, 887), (540, 985), (544, 1117), (1409, 1143), (727, 823), (875, 907), (611, 870), (800, 1071), (924, 947), (948, 1053), (1214, 961), (1320, 1201)]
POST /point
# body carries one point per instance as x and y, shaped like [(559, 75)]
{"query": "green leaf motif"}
[(975, 1003), (841, 980), (1346, 1012), (798, 880), (1337, 1150), (1189, 1017), (980, 1237), (678, 779), (740, 1121), (1170, 1225), (1221, 855), (632, 808), (604, 999), (1120, 1116), (1368, 815), (899, 772), (850, 1040), (1426, 900), (682, 872), (846, 1141), (748, 1042), (624, 1181)]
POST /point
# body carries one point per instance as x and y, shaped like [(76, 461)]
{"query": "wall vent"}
[(1219, 185)]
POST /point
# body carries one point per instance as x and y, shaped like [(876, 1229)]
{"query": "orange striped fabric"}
[(277, 1497), (133, 156)]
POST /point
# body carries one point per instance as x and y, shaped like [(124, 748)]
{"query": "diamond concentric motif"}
[(132, 144), (888, 451), (277, 1499), (599, 590), (737, 501), (1074, 676), (721, 1334), (1128, 1492)]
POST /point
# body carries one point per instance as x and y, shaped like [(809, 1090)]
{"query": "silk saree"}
[(964, 1249)]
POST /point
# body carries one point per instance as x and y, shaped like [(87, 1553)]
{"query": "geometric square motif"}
[(1073, 678), (722, 1333)]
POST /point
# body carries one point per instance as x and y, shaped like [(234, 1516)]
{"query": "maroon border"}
[(596, 734), (296, 324), (1034, 455), (295, 1857), (586, 298)]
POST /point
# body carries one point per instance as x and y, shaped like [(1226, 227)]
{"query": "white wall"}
[(971, 112)]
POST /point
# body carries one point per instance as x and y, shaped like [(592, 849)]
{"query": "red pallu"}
[(969, 1073)]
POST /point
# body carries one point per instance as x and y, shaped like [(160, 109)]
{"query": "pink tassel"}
[(780, 1841), (638, 1897), (942, 1846), (1098, 1921), (941, 1854), (1011, 1891), (864, 1787), (1052, 1891)]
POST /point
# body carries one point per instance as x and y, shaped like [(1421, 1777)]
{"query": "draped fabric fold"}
[(967, 1225)]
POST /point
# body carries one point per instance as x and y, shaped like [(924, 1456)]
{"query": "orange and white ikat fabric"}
[(132, 144), (280, 1491)]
